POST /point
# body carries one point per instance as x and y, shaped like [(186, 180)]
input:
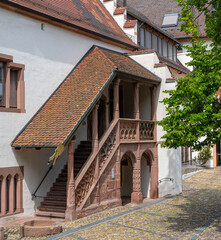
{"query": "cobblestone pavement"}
[(194, 214)]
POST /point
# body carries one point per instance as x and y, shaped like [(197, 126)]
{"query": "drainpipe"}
[(124, 3)]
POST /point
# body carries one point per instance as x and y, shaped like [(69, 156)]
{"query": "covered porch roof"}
[(57, 120)]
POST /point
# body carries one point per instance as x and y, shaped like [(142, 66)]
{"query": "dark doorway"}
[(126, 180)]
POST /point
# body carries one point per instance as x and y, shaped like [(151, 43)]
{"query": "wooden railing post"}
[(70, 208)]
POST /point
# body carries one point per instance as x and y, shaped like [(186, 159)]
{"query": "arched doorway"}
[(126, 178), (145, 175)]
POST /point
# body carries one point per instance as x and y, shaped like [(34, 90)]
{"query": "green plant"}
[(204, 155)]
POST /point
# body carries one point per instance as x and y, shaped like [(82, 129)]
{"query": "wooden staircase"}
[(54, 204)]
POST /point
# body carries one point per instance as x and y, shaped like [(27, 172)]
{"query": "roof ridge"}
[(102, 53)]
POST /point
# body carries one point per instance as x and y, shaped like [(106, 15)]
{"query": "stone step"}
[(52, 209), (52, 204), (63, 194), (55, 199), (49, 214)]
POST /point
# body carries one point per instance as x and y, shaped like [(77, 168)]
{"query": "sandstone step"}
[(49, 214), (52, 209), (52, 204)]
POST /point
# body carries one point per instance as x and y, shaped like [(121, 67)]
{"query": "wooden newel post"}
[(70, 208)]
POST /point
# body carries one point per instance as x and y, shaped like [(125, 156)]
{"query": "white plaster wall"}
[(48, 56), (169, 159), (170, 166), (145, 103), (145, 178), (120, 18), (110, 6)]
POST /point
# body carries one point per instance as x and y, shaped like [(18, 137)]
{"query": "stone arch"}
[(149, 175), (126, 172)]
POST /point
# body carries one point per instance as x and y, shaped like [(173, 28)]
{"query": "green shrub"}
[(204, 155)]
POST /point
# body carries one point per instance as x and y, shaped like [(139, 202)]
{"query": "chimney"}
[(124, 3)]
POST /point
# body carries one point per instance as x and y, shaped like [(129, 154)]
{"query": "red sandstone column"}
[(19, 195), (70, 208), (137, 109), (154, 167), (3, 197), (136, 101), (21, 90), (154, 176), (95, 128), (116, 99), (118, 193), (136, 196), (11, 196), (96, 176)]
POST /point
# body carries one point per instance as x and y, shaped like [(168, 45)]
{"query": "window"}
[(11, 193), (142, 38), (11, 85), (170, 20)]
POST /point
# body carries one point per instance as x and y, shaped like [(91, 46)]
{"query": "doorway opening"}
[(126, 179), (145, 175)]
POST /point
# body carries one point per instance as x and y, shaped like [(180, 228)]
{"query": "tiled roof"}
[(119, 10), (87, 15), (130, 23), (138, 13), (157, 11), (57, 119), (178, 66)]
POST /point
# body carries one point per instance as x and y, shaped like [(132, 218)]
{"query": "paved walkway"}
[(194, 214)]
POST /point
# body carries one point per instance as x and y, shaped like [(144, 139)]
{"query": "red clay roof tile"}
[(119, 10), (55, 120), (130, 23)]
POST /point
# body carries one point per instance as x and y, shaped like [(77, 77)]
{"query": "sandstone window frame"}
[(18, 105), (11, 203)]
